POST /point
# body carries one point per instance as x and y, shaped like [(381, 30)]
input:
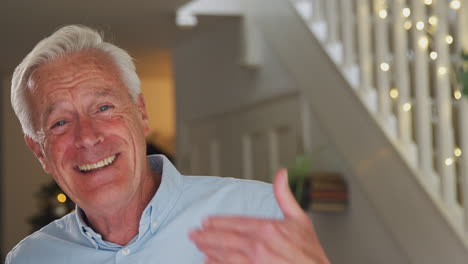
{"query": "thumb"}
[(286, 201)]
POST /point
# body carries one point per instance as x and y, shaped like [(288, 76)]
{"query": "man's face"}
[(93, 134)]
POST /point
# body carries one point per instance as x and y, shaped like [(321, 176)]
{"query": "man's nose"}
[(87, 134)]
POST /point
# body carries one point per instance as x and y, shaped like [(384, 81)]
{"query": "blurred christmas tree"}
[(53, 204)]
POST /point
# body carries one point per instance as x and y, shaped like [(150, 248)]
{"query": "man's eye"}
[(104, 108), (59, 123)]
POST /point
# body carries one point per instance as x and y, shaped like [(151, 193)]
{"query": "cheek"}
[(56, 149)]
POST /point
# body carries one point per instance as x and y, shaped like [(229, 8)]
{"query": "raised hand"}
[(293, 239)]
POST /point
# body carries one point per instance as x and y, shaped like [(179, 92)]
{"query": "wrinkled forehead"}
[(66, 68)]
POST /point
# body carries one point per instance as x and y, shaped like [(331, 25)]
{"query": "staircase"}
[(379, 75), (387, 100)]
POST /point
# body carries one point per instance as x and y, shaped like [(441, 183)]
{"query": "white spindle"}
[(382, 61), (364, 47), (347, 32), (317, 11), (401, 74), (443, 103), (331, 16), (422, 107), (463, 161)]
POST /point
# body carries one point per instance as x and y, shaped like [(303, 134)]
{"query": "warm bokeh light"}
[(449, 39), (457, 152), (406, 12), (455, 4), (407, 25), (420, 25), (61, 197), (383, 13), (406, 107), (394, 93), (442, 70), (384, 66), (423, 42), (449, 161)]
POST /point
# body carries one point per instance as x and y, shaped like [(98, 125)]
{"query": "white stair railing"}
[(406, 53)]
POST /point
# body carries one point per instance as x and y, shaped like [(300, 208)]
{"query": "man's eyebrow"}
[(96, 94)]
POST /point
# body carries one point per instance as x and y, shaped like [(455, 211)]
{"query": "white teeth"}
[(97, 165)]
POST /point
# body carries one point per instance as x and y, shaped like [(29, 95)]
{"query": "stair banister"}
[(364, 48), (382, 61)]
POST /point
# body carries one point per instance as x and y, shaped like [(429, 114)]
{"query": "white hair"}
[(65, 41)]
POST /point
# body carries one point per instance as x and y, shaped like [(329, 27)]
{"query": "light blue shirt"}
[(179, 206)]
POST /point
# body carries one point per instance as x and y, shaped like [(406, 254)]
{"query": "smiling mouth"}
[(87, 168)]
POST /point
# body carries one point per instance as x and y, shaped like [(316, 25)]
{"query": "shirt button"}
[(155, 224), (126, 251), (88, 234)]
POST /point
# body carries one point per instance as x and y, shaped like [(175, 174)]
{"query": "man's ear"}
[(35, 147), (144, 116)]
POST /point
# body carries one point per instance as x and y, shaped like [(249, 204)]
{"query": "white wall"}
[(20, 173), (209, 81)]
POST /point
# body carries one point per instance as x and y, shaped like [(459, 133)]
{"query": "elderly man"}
[(79, 103)]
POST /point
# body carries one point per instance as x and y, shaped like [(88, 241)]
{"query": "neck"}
[(120, 224)]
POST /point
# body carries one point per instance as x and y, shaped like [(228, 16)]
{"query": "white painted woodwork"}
[(383, 172), (251, 142), (331, 16), (422, 104), (444, 137), (402, 82), (383, 63), (411, 151), (347, 32), (463, 161), (364, 48)]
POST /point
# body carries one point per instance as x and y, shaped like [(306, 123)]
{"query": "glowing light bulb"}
[(394, 93), (457, 94), (433, 20), (384, 66), (455, 4), (433, 55), (449, 39), (407, 25), (406, 107), (420, 25), (457, 152), (423, 42), (61, 197), (406, 12), (383, 13), (428, 2)]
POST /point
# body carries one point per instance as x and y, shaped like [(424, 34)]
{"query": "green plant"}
[(298, 175)]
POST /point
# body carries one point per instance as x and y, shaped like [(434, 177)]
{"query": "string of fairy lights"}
[(429, 27)]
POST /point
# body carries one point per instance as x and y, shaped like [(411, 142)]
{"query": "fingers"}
[(269, 229), (286, 201), (252, 237), (233, 247)]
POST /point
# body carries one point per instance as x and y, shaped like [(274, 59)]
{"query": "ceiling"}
[(136, 25)]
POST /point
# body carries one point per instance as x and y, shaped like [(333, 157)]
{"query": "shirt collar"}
[(157, 209)]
